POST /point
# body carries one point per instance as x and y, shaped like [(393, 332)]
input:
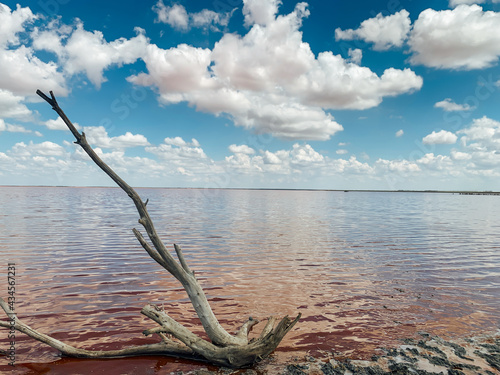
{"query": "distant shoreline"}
[(461, 192)]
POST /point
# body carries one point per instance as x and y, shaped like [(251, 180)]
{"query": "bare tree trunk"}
[(224, 349)]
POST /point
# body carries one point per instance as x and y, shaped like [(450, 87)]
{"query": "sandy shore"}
[(426, 355)]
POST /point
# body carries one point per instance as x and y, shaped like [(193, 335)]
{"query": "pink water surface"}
[(363, 269)]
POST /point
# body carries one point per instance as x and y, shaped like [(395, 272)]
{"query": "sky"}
[(389, 95)]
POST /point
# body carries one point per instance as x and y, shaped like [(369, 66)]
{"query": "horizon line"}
[(485, 192)]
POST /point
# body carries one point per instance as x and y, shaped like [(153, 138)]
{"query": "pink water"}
[(364, 269)]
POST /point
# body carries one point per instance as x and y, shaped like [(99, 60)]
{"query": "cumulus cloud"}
[(305, 155), (261, 12), (177, 71), (435, 162), (454, 3), (384, 32), (178, 149), (81, 51), (89, 53), (241, 149), (440, 137), (185, 158), (243, 77), (185, 162), (22, 72), (11, 106), (482, 135), (4, 127), (21, 149), (463, 38), (400, 133), (297, 160), (58, 124), (396, 166), (177, 17), (97, 136), (12, 23), (355, 55), (449, 105), (458, 155)]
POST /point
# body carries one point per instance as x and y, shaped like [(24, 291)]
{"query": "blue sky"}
[(254, 93)]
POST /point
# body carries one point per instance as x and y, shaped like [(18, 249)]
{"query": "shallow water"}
[(364, 269)]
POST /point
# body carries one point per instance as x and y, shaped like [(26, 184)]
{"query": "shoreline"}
[(427, 355), (421, 355)]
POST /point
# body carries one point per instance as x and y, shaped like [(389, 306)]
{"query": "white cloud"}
[(305, 155), (384, 32), (11, 106), (81, 51), (4, 127), (449, 106), (97, 136), (300, 160), (12, 23), (89, 52), (184, 158), (177, 17), (335, 84), (483, 134), (58, 124), (355, 55), (288, 120), (242, 149), (260, 12), (51, 37), (396, 166), (243, 77), (400, 133), (341, 152), (436, 162), (458, 155), (176, 141), (22, 72), (178, 149), (207, 18), (184, 163), (22, 150), (440, 137), (463, 38), (454, 3), (269, 157)]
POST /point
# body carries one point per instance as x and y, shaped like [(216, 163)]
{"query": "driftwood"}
[(223, 349)]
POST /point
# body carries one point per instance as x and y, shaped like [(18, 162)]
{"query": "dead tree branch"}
[(224, 349)]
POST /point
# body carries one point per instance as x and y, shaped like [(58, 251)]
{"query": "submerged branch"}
[(70, 351)]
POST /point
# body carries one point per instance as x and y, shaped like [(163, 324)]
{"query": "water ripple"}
[(363, 268)]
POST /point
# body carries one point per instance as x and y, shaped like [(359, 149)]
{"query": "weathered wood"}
[(162, 348), (224, 349)]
